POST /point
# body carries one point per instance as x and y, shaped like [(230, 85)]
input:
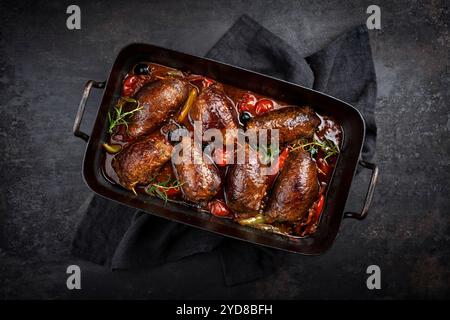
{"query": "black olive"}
[(245, 116), (141, 69)]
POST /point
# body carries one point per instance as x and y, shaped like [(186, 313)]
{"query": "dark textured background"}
[(43, 67)]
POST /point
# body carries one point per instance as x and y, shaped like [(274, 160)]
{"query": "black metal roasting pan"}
[(349, 158)]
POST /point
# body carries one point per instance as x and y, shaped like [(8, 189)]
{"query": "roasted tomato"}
[(247, 103), (263, 105), (219, 208), (170, 192), (133, 83)]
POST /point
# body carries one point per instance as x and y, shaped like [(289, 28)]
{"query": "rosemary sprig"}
[(119, 117), (327, 146), (161, 189)]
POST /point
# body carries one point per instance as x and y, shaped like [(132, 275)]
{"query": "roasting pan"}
[(349, 118)]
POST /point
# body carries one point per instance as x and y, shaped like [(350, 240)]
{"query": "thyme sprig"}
[(328, 147), (161, 189), (268, 153), (119, 117)]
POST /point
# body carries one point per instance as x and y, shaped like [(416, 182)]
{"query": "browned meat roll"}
[(199, 181), (159, 99), (246, 185), (214, 109), (292, 122), (165, 173), (295, 190), (141, 160)]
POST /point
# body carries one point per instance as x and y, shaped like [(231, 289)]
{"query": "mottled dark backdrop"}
[(43, 67)]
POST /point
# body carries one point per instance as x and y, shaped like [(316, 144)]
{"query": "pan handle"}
[(87, 89), (369, 194)]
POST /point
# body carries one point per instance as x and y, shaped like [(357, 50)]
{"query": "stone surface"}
[(43, 67)]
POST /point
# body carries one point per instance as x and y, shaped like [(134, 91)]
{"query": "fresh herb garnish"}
[(164, 190), (119, 117), (327, 146), (268, 153)]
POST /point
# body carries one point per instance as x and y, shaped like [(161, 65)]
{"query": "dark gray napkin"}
[(343, 69), (124, 238)]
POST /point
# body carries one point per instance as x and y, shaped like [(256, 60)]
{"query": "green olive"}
[(112, 148)]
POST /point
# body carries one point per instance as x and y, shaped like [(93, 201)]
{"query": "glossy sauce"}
[(328, 129)]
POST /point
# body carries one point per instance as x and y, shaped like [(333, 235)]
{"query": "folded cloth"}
[(123, 238), (343, 69)]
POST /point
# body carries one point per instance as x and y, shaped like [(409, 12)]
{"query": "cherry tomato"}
[(263, 105), (171, 192), (247, 103), (219, 208), (249, 98), (132, 84)]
